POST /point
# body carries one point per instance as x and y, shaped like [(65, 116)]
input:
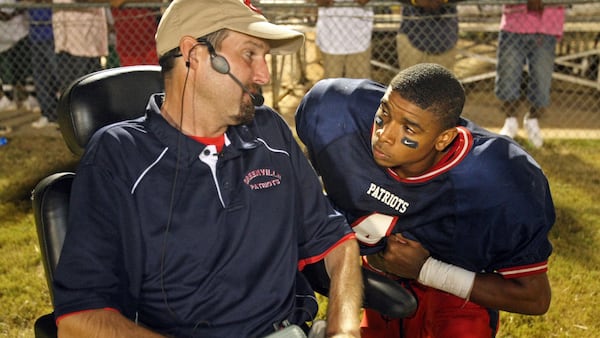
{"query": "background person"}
[(344, 38), (14, 55), (428, 33), (135, 28), (80, 40), (43, 64), (528, 36)]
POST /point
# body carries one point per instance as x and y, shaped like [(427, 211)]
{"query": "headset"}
[(220, 64)]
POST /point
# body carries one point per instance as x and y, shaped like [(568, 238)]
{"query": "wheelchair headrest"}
[(105, 97)]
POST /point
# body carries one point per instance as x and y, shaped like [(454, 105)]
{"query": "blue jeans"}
[(537, 52), (72, 67), (43, 66)]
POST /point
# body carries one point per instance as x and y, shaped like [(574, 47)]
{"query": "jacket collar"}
[(238, 138)]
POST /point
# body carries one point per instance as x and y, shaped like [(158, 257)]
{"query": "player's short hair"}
[(433, 88)]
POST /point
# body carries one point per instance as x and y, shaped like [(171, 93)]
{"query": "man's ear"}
[(187, 45), (445, 138)]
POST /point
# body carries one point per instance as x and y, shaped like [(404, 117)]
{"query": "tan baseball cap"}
[(198, 18)]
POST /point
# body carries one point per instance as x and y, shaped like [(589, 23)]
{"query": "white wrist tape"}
[(447, 277)]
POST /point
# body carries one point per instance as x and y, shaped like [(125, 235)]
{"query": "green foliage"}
[(572, 168)]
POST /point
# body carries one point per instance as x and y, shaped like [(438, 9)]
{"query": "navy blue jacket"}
[(190, 242)]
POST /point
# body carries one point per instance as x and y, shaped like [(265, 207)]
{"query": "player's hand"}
[(376, 261), (404, 257), (535, 5)]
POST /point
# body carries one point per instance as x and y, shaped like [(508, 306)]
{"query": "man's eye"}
[(250, 54), (378, 121)]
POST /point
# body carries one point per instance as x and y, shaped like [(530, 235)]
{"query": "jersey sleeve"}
[(86, 276), (506, 210), (334, 121), (321, 228), (334, 108)]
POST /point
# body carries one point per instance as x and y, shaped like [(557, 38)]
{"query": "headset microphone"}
[(257, 99), (220, 64)]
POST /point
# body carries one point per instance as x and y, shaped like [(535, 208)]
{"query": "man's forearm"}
[(101, 324), (346, 290)]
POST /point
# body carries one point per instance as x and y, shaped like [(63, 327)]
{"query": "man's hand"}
[(403, 257), (429, 5), (324, 3), (101, 323)]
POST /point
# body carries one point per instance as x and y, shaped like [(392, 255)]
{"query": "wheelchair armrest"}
[(45, 327), (387, 296)]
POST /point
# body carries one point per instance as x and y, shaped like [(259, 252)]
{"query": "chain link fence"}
[(45, 46)]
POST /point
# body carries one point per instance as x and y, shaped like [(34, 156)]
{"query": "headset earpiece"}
[(219, 64)]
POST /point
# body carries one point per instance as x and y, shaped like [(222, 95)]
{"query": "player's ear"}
[(445, 138)]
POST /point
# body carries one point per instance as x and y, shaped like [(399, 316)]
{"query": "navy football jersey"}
[(486, 206)]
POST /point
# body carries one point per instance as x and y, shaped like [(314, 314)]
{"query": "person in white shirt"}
[(344, 30), (14, 59), (80, 40)]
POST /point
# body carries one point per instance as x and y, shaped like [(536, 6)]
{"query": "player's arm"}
[(406, 258), (101, 323), (345, 293), (527, 295)]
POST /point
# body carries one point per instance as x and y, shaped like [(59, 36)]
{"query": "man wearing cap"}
[(196, 220)]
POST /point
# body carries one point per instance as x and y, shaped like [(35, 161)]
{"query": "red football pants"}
[(438, 315)]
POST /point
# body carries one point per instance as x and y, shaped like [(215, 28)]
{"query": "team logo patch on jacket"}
[(262, 179)]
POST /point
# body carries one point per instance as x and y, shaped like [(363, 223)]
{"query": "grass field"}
[(572, 167)]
